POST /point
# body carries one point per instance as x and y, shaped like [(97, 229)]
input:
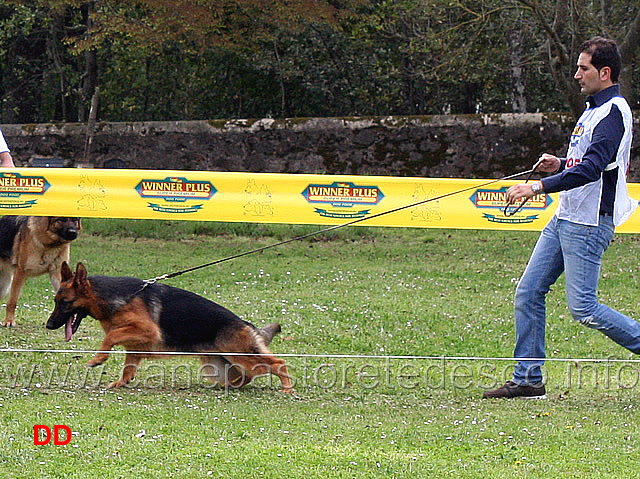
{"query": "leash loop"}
[(507, 211), (156, 279), (150, 281)]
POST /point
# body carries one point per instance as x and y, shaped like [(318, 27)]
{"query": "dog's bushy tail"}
[(269, 331)]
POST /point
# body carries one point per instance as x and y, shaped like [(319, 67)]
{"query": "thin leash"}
[(513, 211), (441, 357), (163, 277)]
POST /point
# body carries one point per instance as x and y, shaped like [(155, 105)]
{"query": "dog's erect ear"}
[(80, 279), (65, 272)]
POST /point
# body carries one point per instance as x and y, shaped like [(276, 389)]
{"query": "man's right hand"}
[(548, 163)]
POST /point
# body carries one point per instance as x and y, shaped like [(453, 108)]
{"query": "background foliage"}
[(192, 59)]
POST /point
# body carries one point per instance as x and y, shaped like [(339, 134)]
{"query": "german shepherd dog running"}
[(31, 246), (146, 318)]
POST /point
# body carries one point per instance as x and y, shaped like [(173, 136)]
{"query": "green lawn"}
[(391, 336)]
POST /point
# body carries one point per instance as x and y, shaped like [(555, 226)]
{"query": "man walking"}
[(593, 200)]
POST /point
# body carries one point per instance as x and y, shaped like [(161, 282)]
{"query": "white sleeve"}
[(3, 143)]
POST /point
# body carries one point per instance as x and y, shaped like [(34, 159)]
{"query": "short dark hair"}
[(604, 53)]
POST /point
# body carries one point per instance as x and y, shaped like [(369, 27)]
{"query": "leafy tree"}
[(446, 56), (162, 39), (565, 24), (234, 28), (462, 53), (185, 59), (42, 77)]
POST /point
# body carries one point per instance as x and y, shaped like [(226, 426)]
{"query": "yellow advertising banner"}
[(273, 198)]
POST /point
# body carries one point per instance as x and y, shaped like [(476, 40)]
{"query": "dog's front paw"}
[(9, 324), (97, 360)]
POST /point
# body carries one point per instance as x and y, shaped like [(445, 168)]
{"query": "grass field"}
[(391, 336)]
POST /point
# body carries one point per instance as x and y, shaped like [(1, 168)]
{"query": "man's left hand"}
[(520, 191)]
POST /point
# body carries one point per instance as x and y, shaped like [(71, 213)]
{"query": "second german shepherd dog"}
[(146, 318), (31, 246)]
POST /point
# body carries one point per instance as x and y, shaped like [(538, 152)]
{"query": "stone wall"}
[(466, 146)]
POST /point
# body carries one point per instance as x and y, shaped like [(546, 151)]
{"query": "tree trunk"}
[(89, 78), (281, 77), (628, 48), (54, 53), (518, 73), (91, 124)]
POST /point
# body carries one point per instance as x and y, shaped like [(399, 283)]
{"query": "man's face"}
[(590, 79)]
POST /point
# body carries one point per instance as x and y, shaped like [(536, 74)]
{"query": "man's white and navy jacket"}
[(592, 180)]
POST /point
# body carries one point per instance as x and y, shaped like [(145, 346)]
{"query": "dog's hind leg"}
[(259, 361), (263, 364), (213, 368), (218, 370)]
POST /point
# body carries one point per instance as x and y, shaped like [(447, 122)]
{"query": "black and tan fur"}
[(161, 318), (31, 246)]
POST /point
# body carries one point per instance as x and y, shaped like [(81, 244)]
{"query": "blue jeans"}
[(577, 251)]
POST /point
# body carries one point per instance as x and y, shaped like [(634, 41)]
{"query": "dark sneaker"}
[(513, 390)]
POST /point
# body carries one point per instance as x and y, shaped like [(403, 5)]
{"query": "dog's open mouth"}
[(72, 324)]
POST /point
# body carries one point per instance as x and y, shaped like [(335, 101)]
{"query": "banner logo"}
[(175, 190), (341, 194), (14, 185), (497, 200)]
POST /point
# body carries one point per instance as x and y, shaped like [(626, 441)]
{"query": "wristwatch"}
[(536, 187)]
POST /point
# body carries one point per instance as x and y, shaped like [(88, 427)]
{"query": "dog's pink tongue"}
[(68, 330)]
